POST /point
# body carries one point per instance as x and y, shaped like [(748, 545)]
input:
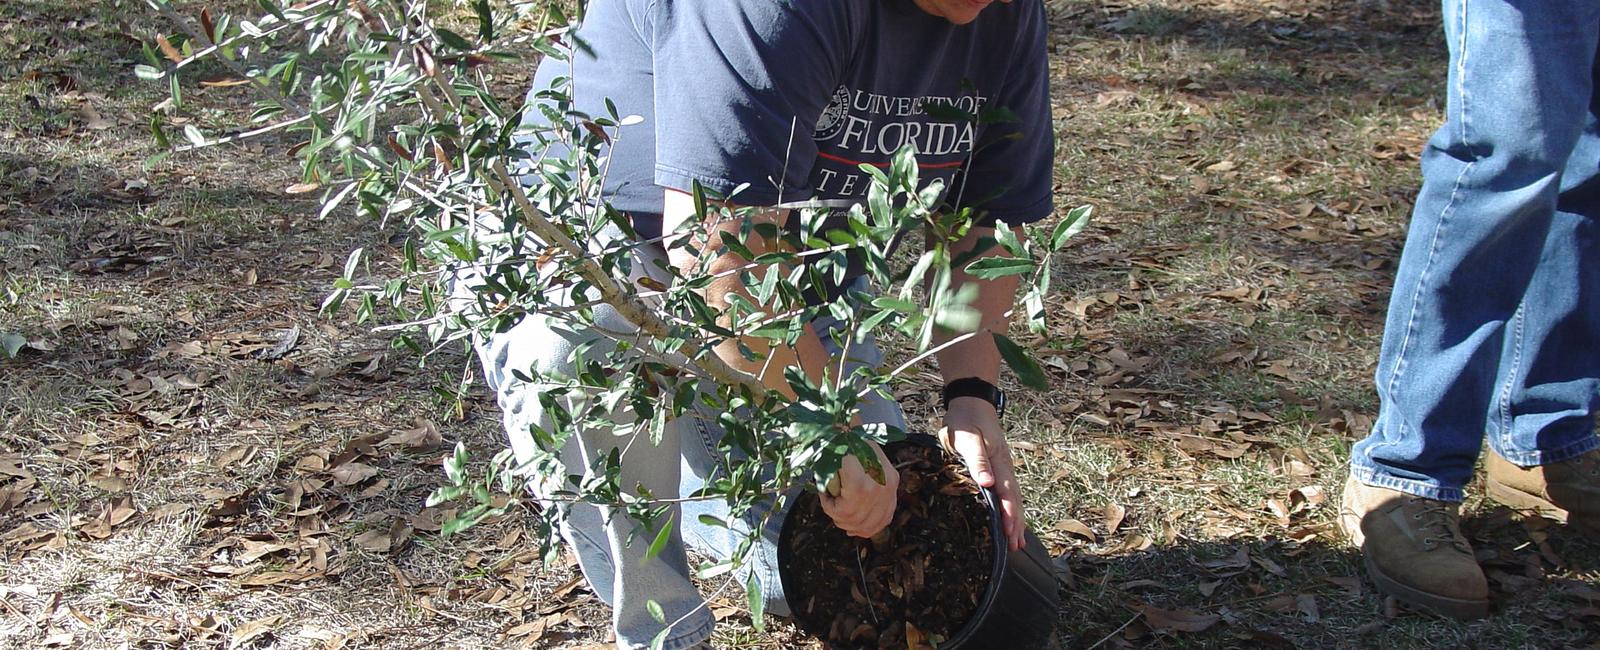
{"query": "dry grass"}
[(1252, 164)]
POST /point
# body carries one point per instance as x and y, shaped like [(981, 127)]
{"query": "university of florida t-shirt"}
[(789, 97)]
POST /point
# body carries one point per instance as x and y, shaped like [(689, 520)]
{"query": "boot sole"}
[(1519, 500), (1456, 608)]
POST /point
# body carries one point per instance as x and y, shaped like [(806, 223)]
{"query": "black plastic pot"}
[(1017, 610)]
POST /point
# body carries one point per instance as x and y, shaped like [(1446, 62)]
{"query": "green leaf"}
[(148, 72), (12, 343), (176, 90), (990, 268), (1070, 225), (455, 469), (758, 605), (454, 40), (444, 495), (333, 204), (732, 242), (660, 542), (877, 175), (947, 112), (774, 330), (1007, 238), (194, 135), (903, 168), (456, 524), (660, 640), (485, 20), (998, 115), (272, 8), (655, 611), (957, 317), (918, 271), (872, 322), (331, 304), (708, 572), (895, 304), (353, 263), (769, 284), (1028, 370), (155, 159), (150, 55), (1033, 303), (780, 257), (157, 132), (698, 193)]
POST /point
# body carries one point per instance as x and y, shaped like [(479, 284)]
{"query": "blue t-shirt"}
[(794, 95)]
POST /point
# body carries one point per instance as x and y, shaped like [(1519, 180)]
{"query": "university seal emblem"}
[(832, 119)]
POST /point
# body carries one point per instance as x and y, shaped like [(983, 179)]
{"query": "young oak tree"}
[(390, 106)]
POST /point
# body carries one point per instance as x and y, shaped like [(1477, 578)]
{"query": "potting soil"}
[(913, 586)]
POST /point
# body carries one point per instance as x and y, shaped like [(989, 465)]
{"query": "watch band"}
[(975, 387)]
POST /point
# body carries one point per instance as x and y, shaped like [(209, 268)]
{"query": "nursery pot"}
[(1018, 607)]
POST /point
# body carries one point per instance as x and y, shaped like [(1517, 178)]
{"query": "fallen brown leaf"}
[(424, 436), (12, 466), (93, 120), (1078, 529), (352, 473), (1229, 566), (1175, 620), (1307, 604), (374, 540), (1350, 584), (245, 634), (1114, 516)]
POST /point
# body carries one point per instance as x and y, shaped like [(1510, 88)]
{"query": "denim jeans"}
[(611, 548), (1493, 329)]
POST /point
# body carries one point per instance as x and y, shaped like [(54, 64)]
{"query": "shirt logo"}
[(860, 127), (832, 119)]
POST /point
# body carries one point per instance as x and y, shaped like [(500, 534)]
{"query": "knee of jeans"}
[(530, 349)]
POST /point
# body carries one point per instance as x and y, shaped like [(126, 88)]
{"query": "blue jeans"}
[(1493, 329), (611, 547)]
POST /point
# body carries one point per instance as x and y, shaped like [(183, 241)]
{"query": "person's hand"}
[(972, 429), (858, 504)]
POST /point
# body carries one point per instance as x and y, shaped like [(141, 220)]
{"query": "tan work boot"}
[(1414, 549), (1568, 491)]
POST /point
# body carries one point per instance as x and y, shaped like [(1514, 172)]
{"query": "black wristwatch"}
[(975, 387)]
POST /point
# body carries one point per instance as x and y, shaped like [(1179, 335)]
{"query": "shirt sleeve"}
[(1009, 177), (739, 86)]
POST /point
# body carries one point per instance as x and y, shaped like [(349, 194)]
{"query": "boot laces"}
[(1438, 524)]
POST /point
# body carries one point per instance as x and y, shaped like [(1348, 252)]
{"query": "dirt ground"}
[(190, 456)]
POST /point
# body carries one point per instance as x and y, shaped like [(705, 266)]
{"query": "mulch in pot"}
[(914, 585)]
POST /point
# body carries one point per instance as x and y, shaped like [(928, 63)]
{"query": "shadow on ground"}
[(1280, 593)]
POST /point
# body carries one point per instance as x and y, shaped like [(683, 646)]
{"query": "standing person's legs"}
[(1519, 91), (1541, 424), (610, 546)]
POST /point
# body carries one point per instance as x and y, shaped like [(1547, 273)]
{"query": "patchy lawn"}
[(193, 457)]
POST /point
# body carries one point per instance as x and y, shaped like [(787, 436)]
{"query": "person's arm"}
[(971, 425), (862, 505), (1010, 171)]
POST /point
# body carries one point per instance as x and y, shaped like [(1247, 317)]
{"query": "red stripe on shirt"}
[(847, 161)]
